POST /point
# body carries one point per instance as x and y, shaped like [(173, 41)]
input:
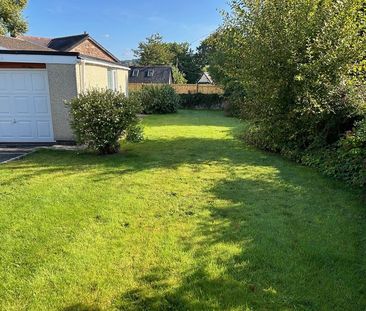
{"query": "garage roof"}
[(9, 43), (66, 44)]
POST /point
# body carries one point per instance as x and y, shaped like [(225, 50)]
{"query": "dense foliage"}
[(158, 99), (154, 51), (202, 101), (346, 159), (293, 59), (178, 76), (135, 133), (234, 99), (101, 117), (11, 20)]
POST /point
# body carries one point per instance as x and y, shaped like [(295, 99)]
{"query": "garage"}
[(25, 110), (36, 81)]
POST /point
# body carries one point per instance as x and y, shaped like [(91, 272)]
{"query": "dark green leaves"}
[(100, 117)]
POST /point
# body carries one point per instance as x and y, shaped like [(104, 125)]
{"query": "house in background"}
[(38, 74), (151, 74), (205, 79)]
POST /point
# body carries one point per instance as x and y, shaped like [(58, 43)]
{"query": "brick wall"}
[(90, 49)]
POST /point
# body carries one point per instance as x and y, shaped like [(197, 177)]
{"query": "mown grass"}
[(190, 219)]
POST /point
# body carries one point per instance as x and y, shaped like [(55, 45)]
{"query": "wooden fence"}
[(183, 88)]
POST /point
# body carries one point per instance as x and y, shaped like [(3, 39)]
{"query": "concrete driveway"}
[(11, 154)]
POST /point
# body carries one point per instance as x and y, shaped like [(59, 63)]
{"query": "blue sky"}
[(120, 24)]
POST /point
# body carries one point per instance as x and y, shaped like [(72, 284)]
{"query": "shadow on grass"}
[(198, 292), (272, 246), (81, 307), (291, 240), (160, 154), (152, 154)]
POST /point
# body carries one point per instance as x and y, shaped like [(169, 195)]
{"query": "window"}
[(150, 73), (135, 73), (112, 80)]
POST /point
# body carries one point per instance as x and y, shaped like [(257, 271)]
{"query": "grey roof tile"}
[(10, 43), (162, 74)]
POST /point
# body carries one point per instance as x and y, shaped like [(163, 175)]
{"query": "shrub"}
[(260, 137), (293, 59), (235, 99), (201, 101), (344, 160), (135, 133), (158, 99), (100, 117), (301, 64), (233, 107)]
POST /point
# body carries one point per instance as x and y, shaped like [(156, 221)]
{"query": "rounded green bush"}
[(101, 117), (135, 133), (158, 99)]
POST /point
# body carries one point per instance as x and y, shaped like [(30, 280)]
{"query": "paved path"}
[(8, 154), (11, 153)]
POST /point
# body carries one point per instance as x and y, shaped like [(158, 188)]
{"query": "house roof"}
[(36, 40), (205, 79), (162, 74), (38, 52), (10, 43), (65, 44)]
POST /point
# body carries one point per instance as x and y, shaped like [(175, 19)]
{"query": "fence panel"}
[(183, 88)]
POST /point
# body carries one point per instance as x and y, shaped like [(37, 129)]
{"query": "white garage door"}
[(25, 112)]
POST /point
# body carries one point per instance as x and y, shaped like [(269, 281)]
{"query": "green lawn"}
[(190, 219)]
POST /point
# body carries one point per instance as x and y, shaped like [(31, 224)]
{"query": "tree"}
[(11, 20), (209, 57), (293, 59), (178, 76), (154, 51), (184, 60), (205, 51), (360, 66)]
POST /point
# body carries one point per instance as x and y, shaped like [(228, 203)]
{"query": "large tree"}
[(209, 57), (11, 19), (293, 58), (154, 51), (184, 59), (360, 67)]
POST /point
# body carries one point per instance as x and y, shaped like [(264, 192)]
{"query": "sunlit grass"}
[(190, 219)]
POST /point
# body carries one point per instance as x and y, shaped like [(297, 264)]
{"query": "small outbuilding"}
[(205, 79), (38, 74)]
